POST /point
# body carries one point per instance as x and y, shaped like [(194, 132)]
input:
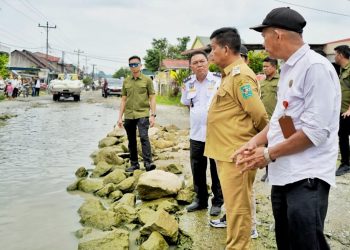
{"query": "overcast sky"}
[(113, 30)]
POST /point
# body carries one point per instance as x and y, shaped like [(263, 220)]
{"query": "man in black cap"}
[(301, 136)]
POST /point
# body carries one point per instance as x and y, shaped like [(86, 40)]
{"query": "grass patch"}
[(2, 97), (169, 100)]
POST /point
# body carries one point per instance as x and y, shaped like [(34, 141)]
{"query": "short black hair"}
[(344, 50), (272, 61), (134, 57), (229, 37), (321, 52), (199, 52)]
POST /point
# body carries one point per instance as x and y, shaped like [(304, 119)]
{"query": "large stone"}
[(109, 155), (117, 239), (185, 195), (90, 206), (81, 172), (167, 204), (128, 199), (157, 183), (74, 186), (161, 144), (155, 242), (117, 133), (90, 185), (145, 214), (115, 177), (126, 213), (163, 223), (101, 169), (170, 128), (184, 241), (107, 142), (127, 185), (83, 232), (106, 190), (174, 168), (116, 195), (103, 220)]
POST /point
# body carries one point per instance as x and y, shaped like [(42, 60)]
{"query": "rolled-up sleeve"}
[(184, 99), (320, 104)]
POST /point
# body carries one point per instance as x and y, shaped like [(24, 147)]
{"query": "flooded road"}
[(40, 150)]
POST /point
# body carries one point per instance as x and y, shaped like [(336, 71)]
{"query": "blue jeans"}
[(142, 124), (300, 209)]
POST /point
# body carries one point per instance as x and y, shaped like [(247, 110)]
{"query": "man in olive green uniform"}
[(235, 115), (269, 90), (138, 99), (342, 59)]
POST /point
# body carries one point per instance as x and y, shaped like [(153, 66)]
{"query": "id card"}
[(287, 126)]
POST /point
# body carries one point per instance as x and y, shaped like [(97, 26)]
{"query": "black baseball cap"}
[(284, 18)]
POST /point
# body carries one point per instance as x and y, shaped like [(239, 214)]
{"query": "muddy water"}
[(39, 152)]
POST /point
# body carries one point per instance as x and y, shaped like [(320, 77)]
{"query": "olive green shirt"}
[(269, 94), (137, 92), (344, 78), (236, 113)]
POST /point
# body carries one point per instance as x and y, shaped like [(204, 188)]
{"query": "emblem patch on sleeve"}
[(246, 91)]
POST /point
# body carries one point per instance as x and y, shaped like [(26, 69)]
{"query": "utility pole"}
[(63, 66), (78, 53), (47, 36), (93, 72)]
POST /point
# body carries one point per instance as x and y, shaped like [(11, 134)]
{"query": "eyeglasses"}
[(134, 65)]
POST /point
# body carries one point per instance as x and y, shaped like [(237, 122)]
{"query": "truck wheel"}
[(77, 98), (55, 97)]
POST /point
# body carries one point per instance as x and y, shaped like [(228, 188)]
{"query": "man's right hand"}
[(120, 123)]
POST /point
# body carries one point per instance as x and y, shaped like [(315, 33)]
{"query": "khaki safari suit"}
[(344, 122), (235, 115), (269, 94)]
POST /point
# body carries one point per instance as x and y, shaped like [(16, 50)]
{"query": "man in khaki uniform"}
[(342, 59), (235, 115), (269, 90)]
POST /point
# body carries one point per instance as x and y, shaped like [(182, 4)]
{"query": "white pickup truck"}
[(67, 86)]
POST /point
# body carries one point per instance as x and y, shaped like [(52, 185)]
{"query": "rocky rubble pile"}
[(122, 204)]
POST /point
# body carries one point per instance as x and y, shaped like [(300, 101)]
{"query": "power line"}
[(23, 14), (311, 8), (19, 46)]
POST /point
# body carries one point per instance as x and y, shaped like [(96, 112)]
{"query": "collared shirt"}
[(269, 93), (137, 92), (236, 113), (201, 94), (345, 87), (310, 85)]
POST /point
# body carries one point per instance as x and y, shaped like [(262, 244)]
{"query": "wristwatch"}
[(154, 115), (267, 156)]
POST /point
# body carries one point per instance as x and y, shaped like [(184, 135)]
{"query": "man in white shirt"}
[(302, 134), (197, 94)]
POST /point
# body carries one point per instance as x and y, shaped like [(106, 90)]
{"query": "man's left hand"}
[(346, 114), (252, 159)]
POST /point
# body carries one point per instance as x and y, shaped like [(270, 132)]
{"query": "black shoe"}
[(194, 206), (215, 210), (264, 177), (132, 168), (150, 166), (343, 169)]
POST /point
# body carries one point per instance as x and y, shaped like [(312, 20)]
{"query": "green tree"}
[(4, 59), (256, 60), (162, 49), (88, 80), (178, 80), (214, 68), (122, 72)]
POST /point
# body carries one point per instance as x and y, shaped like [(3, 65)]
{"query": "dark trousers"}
[(37, 91), (130, 126), (344, 132), (199, 169), (300, 209)]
